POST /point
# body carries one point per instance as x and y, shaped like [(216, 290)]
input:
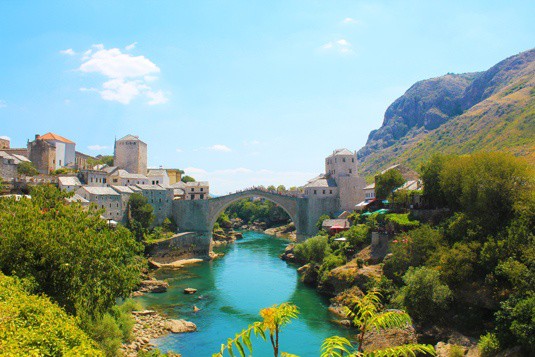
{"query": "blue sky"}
[(236, 92)]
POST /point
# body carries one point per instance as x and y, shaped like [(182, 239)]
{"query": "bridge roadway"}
[(200, 215)]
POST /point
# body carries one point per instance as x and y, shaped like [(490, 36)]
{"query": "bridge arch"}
[(288, 203)]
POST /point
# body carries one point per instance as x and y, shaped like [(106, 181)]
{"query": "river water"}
[(234, 288)]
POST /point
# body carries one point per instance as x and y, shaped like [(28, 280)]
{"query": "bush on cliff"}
[(33, 325), (312, 250), (424, 295)]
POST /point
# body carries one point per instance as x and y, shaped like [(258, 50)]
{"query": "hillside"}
[(457, 114)]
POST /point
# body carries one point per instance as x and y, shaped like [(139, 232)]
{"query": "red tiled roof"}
[(56, 137)]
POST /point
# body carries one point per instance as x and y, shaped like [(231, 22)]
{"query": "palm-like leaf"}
[(390, 319), (410, 350), (335, 346)]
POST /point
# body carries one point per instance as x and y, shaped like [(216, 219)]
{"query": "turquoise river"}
[(249, 277)]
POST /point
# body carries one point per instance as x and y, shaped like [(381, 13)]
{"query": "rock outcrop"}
[(180, 326), (153, 286)]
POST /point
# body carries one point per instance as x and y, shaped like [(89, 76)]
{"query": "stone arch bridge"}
[(199, 216)]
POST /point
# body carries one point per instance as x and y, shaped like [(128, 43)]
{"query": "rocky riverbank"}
[(150, 325), (286, 231)]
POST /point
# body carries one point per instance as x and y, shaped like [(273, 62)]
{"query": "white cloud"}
[(127, 75), (131, 46), (251, 142), (194, 171), (179, 150), (3, 104), (113, 63), (156, 97), (96, 147), (68, 52), (5, 137), (220, 147), (350, 21), (340, 46)]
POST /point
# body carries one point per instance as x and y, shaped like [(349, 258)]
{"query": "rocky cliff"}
[(459, 113)]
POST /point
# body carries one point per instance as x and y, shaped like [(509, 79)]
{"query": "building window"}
[(350, 171), (202, 196), (353, 160), (323, 191), (202, 189), (331, 192), (192, 197), (192, 190), (315, 192), (344, 159)]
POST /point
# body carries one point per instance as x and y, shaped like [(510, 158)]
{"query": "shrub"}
[(27, 168), (330, 262), (458, 263), (412, 249), (106, 332), (488, 345), (424, 295), (312, 250), (33, 325), (515, 322), (398, 222), (456, 351)]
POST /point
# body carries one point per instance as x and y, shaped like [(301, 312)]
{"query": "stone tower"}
[(130, 154), (342, 167)]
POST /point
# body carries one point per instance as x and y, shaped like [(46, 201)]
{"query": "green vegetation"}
[(367, 313), (472, 269), (386, 183), (140, 216), (101, 160), (27, 168), (73, 257), (258, 210), (33, 325), (187, 179)]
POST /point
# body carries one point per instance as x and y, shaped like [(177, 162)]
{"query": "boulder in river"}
[(180, 326), (190, 291)]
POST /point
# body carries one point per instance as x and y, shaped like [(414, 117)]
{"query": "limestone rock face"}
[(180, 326)]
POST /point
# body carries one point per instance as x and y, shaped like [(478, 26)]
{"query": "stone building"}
[(124, 178), (8, 166), (197, 190), (175, 175), (105, 198), (65, 149), (158, 177), (340, 180), (42, 154), (69, 183), (131, 155), (4, 144), (93, 178), (82, 161), (125, 192), (160, 198)]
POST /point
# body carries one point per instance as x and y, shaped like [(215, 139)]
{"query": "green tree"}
[(319, 223), (187, 179), (27, 168), (70, 253), (281, 188), (424, 295), (367, 313), (488, 187), (271, 188), (140, 215), (386, 183), (312, 250), (430, 174)]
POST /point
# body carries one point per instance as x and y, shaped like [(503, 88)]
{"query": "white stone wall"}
[(131, 155), (341, 165), (321, 192), (351, 193)]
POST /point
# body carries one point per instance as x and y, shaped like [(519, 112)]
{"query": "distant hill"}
[(457, 114)]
